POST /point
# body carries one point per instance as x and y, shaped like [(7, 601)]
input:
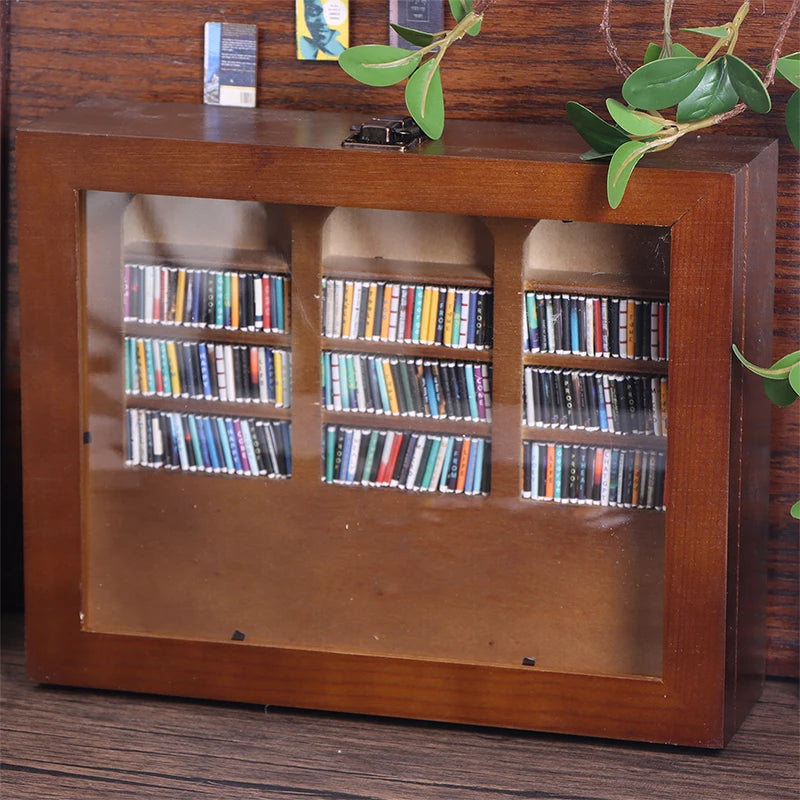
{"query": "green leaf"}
[(778, 371), (678, 50), (593, 155), (789, 68), (793, 119), (748, 84), (662, 83), (795, 510), (379, 64), (718, 32), (794, 378), (419, 38), (460, 8), (634, 122), (424, 99), (654, 51), (596, 132), (781, 391), (623, 161), (777, 378), (713, 95)]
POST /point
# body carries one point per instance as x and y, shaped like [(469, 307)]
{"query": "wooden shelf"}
[(625, 441), (199, 405), (425, 351), (596, 364), (591, 284), (193, 333), (201, 473), (207, 257), (644, 625), (399, 271), (458, 427), (572, 506)]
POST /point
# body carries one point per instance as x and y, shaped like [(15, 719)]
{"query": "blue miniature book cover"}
[(230, 64)]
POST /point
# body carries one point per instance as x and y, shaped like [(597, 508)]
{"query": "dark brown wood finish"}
[(394, 552), (60, 51)]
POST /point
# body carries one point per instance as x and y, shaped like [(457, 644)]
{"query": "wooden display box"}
[(536, 569)]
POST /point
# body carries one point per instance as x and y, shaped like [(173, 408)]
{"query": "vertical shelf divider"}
[(507, 286), (306, 335)]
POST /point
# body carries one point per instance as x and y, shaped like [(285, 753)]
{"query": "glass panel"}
[(472, 467), (595, 415)]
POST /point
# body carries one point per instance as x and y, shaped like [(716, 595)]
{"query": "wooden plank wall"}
[(531, 58)]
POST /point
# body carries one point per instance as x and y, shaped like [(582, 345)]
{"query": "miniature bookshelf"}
[(352, 502)]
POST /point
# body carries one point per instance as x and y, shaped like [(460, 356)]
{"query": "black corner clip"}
[(387, 133)]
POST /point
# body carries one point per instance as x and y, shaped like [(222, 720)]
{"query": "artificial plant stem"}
[(458, 32), (447, 38), (605, 27), (776, 50), (666, 50)]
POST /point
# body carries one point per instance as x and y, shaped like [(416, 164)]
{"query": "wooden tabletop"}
[(93, 745)]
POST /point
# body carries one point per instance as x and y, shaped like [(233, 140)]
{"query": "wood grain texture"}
[(69, 744), (61, 51)]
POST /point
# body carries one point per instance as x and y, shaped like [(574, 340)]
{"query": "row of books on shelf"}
[(406, 460), (603, 476), (611, 402), (207, 370), (596, 326), (208, 443), (251, 301), (407, 313), (406, 386)]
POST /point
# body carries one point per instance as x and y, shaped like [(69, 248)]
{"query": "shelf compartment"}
[(593, 475), (205, 298), (207, 444), (627, 328), (407, 246), (599, 256), (397, 386), (454, 316), (202, 370), (403, 459), (595, 401), (206, 232)]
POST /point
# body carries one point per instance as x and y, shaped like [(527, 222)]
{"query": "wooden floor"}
[(68, 743)]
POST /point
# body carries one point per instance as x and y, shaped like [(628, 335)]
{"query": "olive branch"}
[(704, 90)]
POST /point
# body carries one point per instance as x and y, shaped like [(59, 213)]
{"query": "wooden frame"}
[(715, 196)]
